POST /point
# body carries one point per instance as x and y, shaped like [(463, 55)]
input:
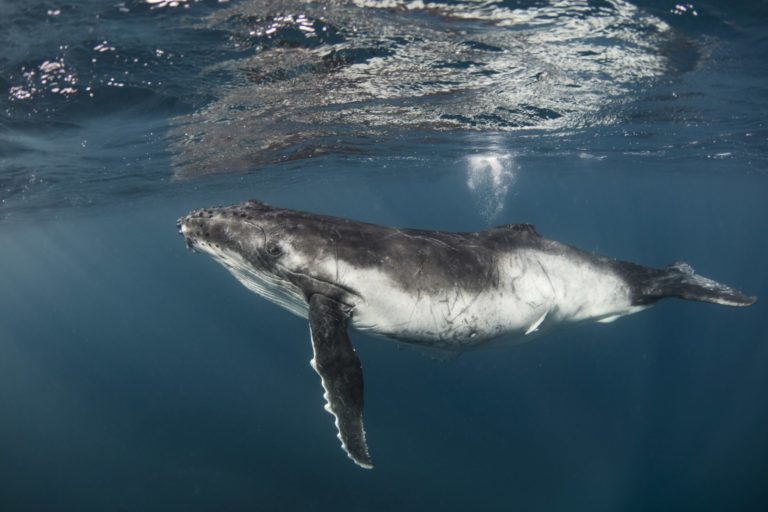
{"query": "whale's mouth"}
[(189, 241)]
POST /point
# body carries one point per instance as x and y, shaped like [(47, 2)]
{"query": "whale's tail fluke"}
[(679, 280)]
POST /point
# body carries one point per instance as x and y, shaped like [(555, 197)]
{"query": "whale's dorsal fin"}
[(527, 228), (341, 374)]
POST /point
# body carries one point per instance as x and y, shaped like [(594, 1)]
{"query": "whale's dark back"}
[(416, 259)]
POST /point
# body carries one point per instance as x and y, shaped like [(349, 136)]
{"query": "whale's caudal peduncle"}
[(443, 290)]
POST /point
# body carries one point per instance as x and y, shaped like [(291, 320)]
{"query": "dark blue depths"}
[(137, 376)]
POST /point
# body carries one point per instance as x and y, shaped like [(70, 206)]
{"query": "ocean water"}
[(138, 376)]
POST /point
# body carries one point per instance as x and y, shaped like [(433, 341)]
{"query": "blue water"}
[(137, 376)]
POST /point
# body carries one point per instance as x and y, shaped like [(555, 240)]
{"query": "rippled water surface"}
[(135, 375), (113, 99)]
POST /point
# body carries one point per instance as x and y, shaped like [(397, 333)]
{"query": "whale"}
[(447, 291)]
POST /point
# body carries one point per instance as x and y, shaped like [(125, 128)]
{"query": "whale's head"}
[(280, 254)]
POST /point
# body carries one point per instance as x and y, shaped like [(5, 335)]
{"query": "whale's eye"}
[(273, 248)]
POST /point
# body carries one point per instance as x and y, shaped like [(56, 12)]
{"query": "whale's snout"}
[(232, 227), (198, 226)]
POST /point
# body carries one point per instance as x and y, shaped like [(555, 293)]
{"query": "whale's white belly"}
[(534, 291)]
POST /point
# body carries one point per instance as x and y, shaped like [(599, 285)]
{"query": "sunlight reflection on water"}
[(312, 75)]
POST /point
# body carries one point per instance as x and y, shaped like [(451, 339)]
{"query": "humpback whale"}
[(446, 290)]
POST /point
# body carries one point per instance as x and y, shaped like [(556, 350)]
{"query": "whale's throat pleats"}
[(260, 281)]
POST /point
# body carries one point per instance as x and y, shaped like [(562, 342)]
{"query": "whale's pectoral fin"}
[(341, 374)]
